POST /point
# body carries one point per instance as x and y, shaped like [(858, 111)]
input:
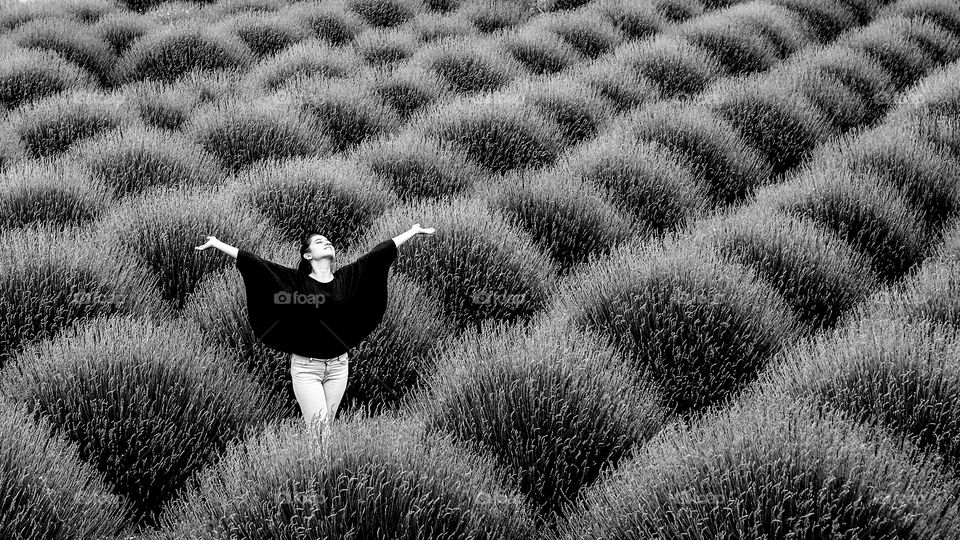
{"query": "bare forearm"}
[(404, 236), (226, 248)]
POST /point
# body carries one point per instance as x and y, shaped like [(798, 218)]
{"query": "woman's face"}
[(320, 247)]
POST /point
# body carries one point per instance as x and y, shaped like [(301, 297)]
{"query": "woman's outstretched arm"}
[(415, 229), (213, 242)]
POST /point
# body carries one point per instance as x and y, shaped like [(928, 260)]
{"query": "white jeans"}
[(319, 384)]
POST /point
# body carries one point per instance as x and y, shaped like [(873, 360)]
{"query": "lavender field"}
[(695, 275)]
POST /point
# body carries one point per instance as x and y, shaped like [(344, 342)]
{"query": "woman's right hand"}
[(211, 241)]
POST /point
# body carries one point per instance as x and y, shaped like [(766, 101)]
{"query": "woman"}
[(316, 314)]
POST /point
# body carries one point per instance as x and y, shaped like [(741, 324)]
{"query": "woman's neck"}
[(325, 278)]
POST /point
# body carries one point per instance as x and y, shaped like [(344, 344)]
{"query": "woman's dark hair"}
[(304, 265)]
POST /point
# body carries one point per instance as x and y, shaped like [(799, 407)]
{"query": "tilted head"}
[(314, 246)]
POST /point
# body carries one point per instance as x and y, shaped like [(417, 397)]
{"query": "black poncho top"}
[(294, 313)]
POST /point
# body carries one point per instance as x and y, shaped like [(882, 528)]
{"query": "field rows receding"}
[(693, 273)]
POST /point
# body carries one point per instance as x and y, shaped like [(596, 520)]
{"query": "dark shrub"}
[(188, 405), (308, 60), (563, 215), (419, 167), (15, 14), (588, 32), (266, 35), (385, 12), (468, 64), (647, 180), (409, 89), (541, 51), (819, 274), (635, 20), (489, 16), (433, 26), (72, 41), (623, 86), (729, 168), (870, 214), (52, 276), (301, 194), (768, 468), (777, 121), (827, 18), (58, 192), (582, 410), (476, 264), (737, 50), (371, 476), (242, 132), (134, 160), (946, 14), (347, 112), (885, 373), (48, 491), (931, 294), (885, 42), (843, 108), (938, 94), (578, 110), (328, 21), (854, 69), (171, 51), (160, 228), (779, 26), (697, 328), (27, 75), (678, 67), (50, 126), (501, 134), (678, 11), (926, 176), (382, 47), (120, 29), (161, 105)]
